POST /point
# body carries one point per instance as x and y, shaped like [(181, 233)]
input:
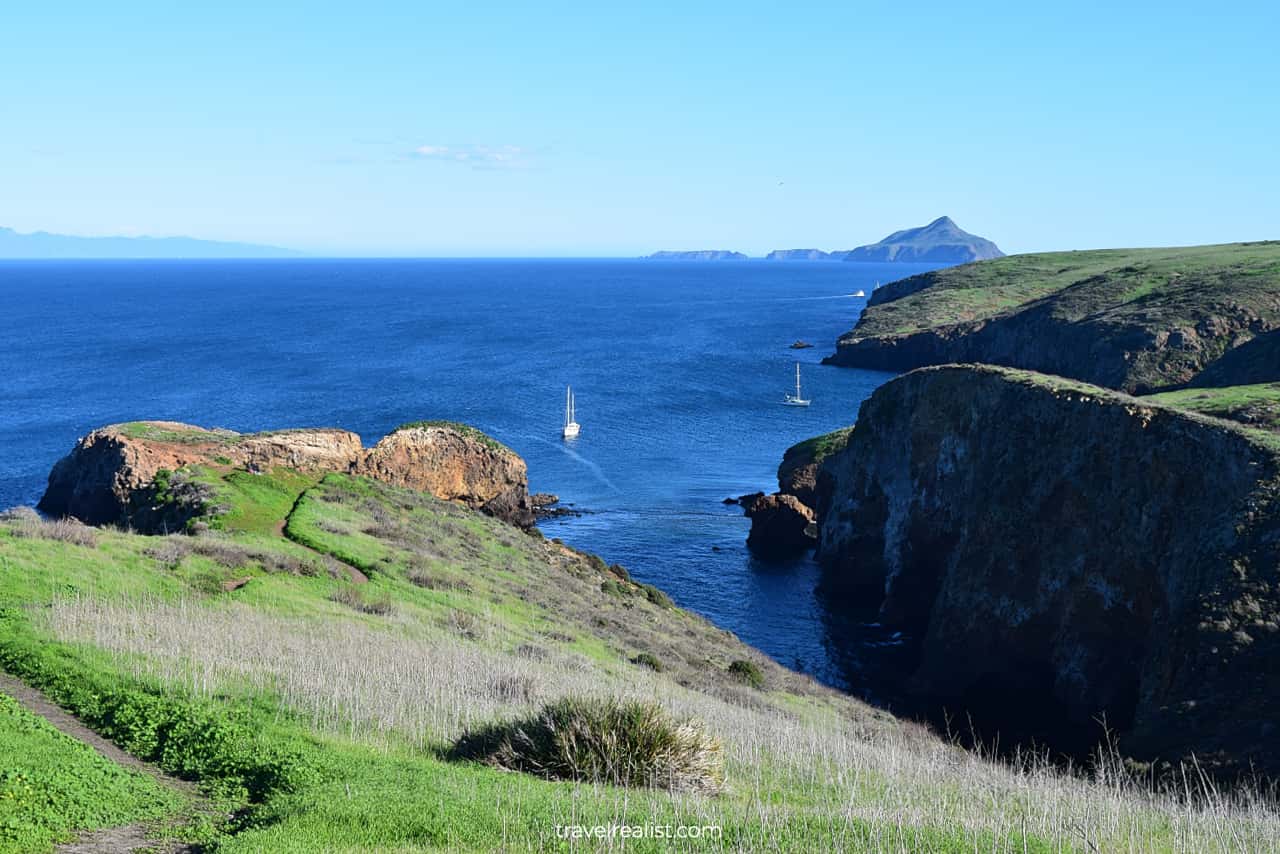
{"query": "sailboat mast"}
[(797, 379)]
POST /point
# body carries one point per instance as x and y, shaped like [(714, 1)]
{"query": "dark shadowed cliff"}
[(1060, 554)]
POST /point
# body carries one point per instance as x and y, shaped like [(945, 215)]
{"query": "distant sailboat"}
[(796, 399), (859, 293), (571, 427)]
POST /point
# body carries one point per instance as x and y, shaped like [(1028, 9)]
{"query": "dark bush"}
[(603, 741), (748, 672), (656, 596), (649, 660)]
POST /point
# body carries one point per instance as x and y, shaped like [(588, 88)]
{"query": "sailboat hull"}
[(571, 431)]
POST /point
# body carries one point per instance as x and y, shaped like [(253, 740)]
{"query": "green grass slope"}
[(1254, 405), (324, 713), (52, 786)]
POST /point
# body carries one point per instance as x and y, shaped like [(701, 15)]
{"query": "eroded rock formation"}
[(111, 474)]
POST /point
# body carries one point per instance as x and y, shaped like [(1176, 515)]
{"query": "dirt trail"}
[(113, 839), (357, 576)]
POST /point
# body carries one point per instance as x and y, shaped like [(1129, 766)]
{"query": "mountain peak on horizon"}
[(940, 241)]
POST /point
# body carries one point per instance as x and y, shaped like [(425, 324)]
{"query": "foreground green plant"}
[(51, 785), (603, 741)]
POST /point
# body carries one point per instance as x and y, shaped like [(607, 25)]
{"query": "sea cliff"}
[(1060, 554)]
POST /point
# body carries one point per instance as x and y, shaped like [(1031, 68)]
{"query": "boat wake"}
[(588, 464)]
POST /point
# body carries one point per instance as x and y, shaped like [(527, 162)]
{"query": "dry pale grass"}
[(25, 522), (370, 682)]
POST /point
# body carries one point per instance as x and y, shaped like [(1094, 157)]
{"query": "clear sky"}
[(468, 129)]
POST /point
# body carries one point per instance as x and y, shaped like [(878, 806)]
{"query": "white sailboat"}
[(796, 399), (859, 293), (571, 426)]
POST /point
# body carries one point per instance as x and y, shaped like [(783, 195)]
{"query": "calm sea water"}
[(678, 368)]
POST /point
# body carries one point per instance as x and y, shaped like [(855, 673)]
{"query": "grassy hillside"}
[(51, 784), (1254, 405), (1134, 319), (1161, 283), (327, 712)]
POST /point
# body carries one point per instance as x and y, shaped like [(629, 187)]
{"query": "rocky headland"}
[(115, 474), (1137, 320), (1055, 552)]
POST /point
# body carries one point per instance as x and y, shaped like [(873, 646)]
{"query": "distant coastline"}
[(45, 245)]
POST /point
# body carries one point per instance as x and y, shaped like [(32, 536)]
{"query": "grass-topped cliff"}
[(344, 664), (1132, 319)]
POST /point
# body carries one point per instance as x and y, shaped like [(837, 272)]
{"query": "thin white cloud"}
[(476, 156)]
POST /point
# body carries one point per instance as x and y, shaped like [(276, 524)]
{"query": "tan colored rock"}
[(781, 525), (456, 463), (304, 450), (108, 476)]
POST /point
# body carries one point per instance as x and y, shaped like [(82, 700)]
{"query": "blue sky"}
[(572, 129)]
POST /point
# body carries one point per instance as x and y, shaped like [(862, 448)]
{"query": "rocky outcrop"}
[(111, 474), (107, 476), (781, 526), (455, 463), (798, 472), (1061, 554)]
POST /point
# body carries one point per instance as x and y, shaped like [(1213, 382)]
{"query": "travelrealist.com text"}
[(638, 831)]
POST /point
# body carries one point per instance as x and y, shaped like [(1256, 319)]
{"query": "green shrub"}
[(597, 563), (656, 596), (747, 671), (620, 571), (649, 660), (628, 743), (612, 588)]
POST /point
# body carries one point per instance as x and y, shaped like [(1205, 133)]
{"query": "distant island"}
[(803, 255), (42, 244), (697, 255), (939, 242)]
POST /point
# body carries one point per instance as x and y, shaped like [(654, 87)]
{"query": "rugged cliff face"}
[(1059, 553), (798, 471), (456, 463), (111, 476), (1137, 320)]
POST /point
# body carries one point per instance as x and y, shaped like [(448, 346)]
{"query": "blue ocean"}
[(679, 370)]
